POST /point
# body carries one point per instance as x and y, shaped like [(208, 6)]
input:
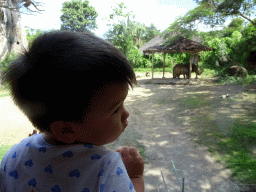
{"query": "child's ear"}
[(63, 131)]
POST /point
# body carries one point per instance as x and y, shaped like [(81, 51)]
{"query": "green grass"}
[(250, 79), (209, 73), (4, 92), (3, 151), (235, 149), (236, 153)]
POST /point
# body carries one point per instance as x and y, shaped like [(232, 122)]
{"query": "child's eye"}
[(117, 110)]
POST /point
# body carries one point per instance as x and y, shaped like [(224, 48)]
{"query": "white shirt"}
[(33, 164)]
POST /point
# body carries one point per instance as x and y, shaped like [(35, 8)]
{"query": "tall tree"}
[(78, 16), (138, 30), (10, 11), (150, 33), (122, 33), (215, 12)]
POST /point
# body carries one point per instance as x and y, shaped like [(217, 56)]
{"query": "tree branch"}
[(36, 7), (242, 15), (12, 8)]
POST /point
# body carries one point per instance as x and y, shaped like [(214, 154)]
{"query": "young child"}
[(72, 87)]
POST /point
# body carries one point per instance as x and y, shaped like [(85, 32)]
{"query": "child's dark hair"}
[(56, 78)]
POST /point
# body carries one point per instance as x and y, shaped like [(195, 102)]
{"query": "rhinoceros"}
[(182, 68)]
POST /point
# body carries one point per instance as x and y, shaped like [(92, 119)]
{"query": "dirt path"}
[(157, 124)]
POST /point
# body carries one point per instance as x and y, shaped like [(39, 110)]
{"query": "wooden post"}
[(152, 65), (164, 65), (190, 65), (0, 79)]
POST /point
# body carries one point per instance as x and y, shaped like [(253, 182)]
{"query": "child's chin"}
[(125, 125)]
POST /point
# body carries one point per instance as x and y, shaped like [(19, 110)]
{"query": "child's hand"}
[(133, 161), (34, 132)]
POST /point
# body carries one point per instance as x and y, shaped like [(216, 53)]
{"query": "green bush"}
[(136, 58), (9, 58), (171, 59), (224, 78)]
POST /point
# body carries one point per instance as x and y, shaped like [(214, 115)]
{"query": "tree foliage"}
[(235, 25), (250, 30), (78, 16), (215, 12), (32, 34), (180, 28), (150, 33), (129, 35), (123, 30)]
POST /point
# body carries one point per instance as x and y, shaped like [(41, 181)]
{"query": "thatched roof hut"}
[(178, 46), (155, 42)]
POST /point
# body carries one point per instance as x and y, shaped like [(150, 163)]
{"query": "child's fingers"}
[(124, 152), (34, 132), (133, 151), (128, 152)]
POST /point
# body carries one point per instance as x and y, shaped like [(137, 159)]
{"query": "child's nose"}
[(125, 114)]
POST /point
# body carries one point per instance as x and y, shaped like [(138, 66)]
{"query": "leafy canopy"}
[(179, 29), (215, 12), (123, 32), (78, 16)]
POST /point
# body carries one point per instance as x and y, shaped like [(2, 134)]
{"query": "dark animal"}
[(237, 71), (181, 68), (147, 74)]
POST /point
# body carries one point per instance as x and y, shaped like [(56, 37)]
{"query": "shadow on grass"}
[(226, 126)]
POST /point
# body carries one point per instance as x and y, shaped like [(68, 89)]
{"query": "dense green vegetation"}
[(233, 42)]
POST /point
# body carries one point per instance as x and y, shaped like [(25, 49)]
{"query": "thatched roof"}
[(180, 45), (197, 39), (155, 42)]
